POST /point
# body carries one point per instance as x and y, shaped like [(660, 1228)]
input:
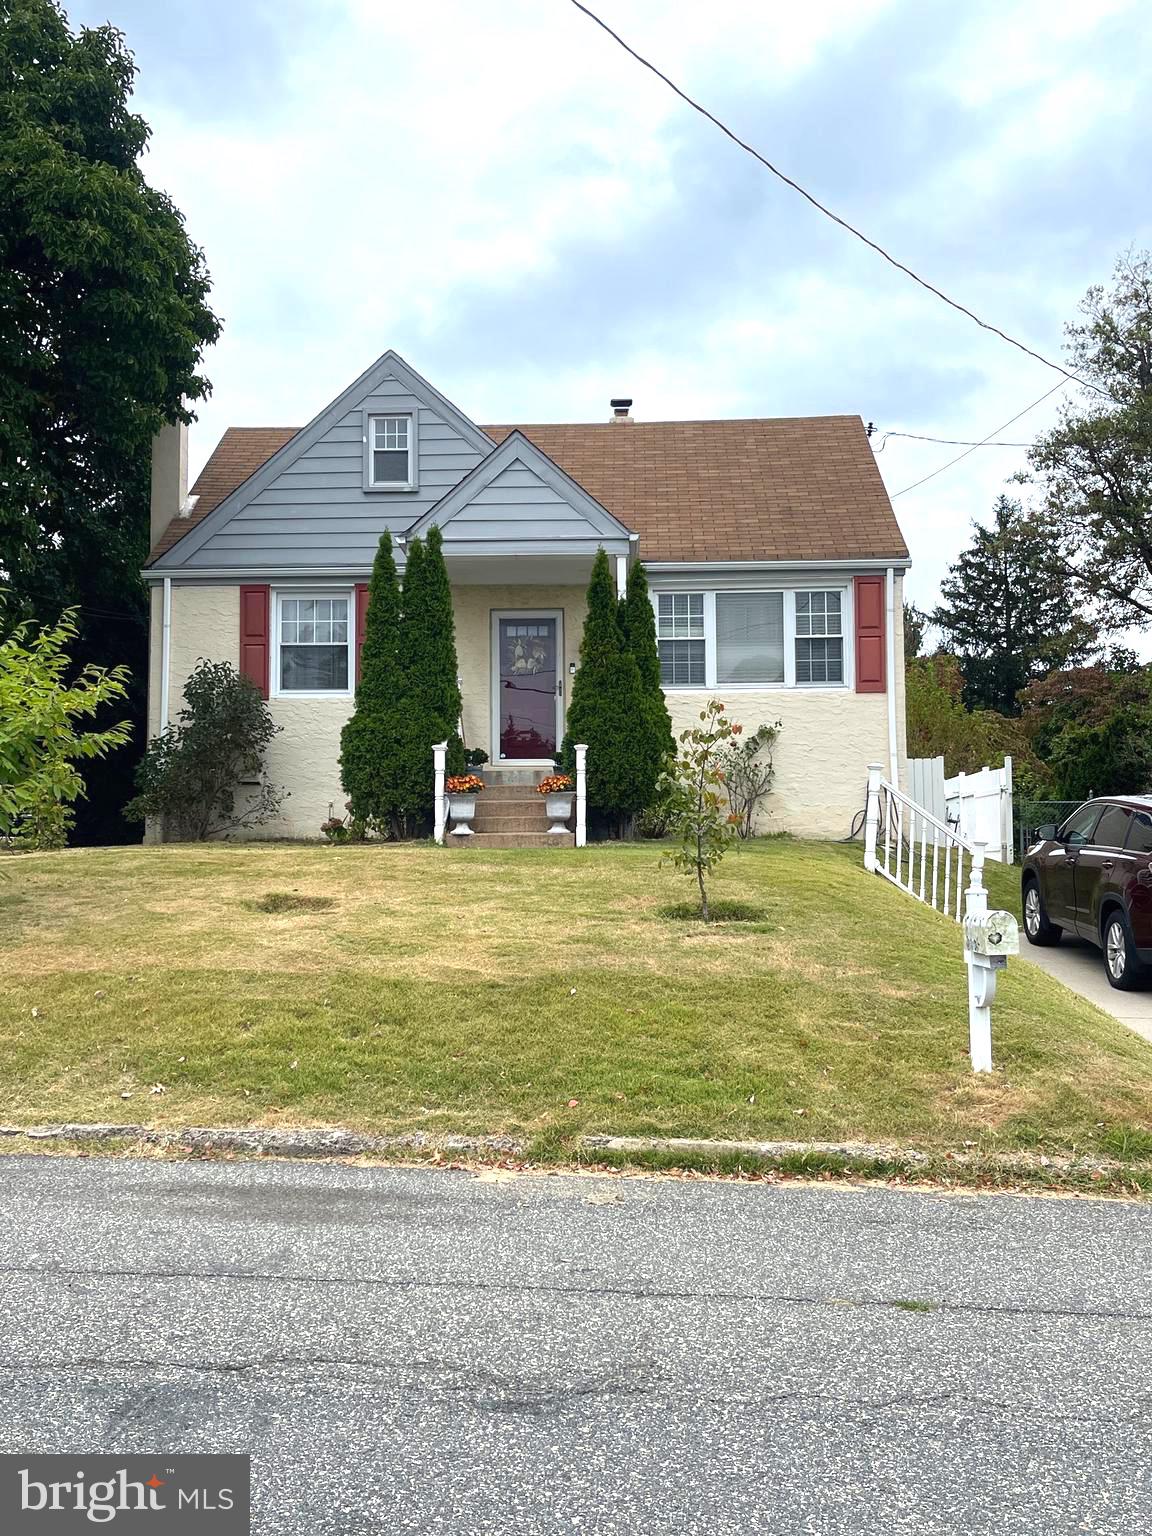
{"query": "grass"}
[(537, 992)]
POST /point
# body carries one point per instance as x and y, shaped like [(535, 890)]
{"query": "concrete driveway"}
[(1080, 966), (420, 1351)]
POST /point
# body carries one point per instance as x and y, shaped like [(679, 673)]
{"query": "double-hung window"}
[(680, 637), (819, 638), (749, 638), (753, 639), (391, 453), (315, 644)]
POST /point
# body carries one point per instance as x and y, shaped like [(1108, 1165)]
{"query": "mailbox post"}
[(989, 938)]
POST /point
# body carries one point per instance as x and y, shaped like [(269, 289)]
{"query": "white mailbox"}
[(992, 936)]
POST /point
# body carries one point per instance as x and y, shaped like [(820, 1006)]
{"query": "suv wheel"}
[(1121, 962), (1037, 928)]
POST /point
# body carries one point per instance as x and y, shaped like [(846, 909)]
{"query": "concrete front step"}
[(504, 792), (510, 823), (496, 775), (482, 840)]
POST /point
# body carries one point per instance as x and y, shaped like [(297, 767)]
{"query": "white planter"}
[(559, 808), (462, 809)]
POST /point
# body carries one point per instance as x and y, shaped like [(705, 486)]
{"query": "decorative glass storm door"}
[(527, 686)]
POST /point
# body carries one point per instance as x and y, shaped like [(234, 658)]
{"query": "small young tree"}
[(653, 740), (697, 799), (370, 741), (606, 709), (748, 768), (191, 772), (41, 736)]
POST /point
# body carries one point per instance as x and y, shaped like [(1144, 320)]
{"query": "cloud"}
[(509, 200)]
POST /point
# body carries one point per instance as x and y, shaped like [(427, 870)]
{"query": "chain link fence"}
[(1033, 814)]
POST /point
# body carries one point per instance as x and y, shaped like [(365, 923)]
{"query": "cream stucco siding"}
[(827, 739), (827, 736)]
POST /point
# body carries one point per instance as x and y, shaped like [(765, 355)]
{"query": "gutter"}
[(890, 645), (165, 652)]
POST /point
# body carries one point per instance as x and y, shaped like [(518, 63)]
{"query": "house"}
[(775, 561)]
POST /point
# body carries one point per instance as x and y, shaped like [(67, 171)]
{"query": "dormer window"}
[(391, 453)]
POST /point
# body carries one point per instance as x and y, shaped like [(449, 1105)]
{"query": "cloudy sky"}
[(536, 223)]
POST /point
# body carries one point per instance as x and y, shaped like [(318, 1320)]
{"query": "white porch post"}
[(872, 816), (439, 752), (621, 575), (581, 797)]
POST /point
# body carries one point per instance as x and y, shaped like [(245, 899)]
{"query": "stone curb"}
[(854, 1153), (322, 1143), (278, 1143)]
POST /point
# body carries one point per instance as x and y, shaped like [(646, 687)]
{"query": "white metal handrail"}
[(915, 850)]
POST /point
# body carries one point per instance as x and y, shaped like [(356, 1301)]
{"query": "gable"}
[(307, 505), (518, 501)]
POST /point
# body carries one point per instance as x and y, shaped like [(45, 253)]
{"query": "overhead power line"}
[(827, 212), (953, 442), (984, 440)]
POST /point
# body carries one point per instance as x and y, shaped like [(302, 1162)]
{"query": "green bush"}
[(191, 772), (41, 738)]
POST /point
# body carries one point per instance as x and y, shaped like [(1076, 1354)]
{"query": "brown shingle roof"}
[(784, 488)]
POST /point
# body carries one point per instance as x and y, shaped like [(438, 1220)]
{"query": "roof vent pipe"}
[(620, 410)]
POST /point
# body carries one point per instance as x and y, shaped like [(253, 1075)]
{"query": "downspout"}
[(890, 643), (165, 652)]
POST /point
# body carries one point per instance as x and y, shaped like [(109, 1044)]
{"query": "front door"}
[(526, 686)]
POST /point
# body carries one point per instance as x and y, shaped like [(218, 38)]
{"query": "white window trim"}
[(385, 486), (790, 685), (278, 595)]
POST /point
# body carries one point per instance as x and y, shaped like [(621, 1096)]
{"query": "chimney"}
[(169, 477), (620, 410)]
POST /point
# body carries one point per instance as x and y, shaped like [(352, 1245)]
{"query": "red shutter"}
[(255, 636), (870, 634), (361, 622)]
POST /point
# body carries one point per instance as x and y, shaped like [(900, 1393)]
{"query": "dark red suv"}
[(1093, 877)]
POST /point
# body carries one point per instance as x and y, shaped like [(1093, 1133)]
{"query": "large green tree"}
[(606, 708), (103, 319), (1007, 612), (1092, 728), (1096, 465)]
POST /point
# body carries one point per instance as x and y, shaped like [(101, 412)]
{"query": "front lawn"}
[(418, 987)]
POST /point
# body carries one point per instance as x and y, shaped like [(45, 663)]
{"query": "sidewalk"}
[(1080, 966)]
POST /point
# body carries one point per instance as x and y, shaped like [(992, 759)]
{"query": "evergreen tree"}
[(607, 709), (369, 742), (654, 742), (428, 688), (1007, 613)]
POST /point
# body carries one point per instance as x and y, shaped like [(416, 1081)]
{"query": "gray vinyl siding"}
[(517, 511), (317, 512)]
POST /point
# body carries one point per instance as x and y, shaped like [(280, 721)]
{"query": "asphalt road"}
[(409, 1351)]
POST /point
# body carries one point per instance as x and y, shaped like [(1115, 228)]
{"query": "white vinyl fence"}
[(980, 808), (976, 806)]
